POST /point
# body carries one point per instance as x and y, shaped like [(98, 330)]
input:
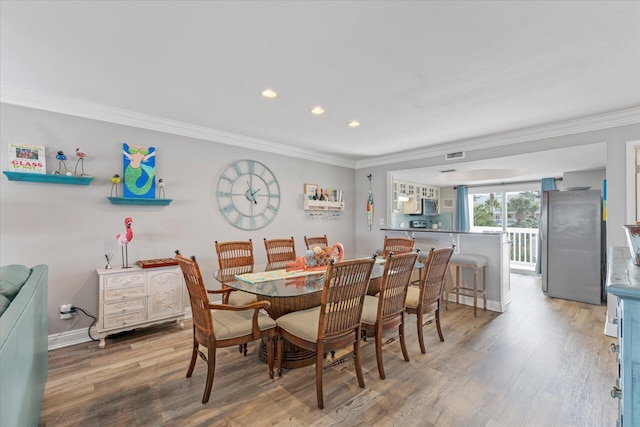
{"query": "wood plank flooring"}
[(544, 362)]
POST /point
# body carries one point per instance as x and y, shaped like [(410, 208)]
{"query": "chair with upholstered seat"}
[(279, 250), (221, 325), (387, 310), (236, 255), (425, 299), (335, 324), (397, 245), (474, 262), (312, 242)]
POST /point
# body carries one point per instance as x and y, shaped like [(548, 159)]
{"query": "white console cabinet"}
[(135, 297)]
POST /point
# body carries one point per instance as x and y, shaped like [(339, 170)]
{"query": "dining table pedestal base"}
[(294, 356)]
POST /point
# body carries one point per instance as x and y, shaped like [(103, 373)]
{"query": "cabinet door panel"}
[(165, 294)]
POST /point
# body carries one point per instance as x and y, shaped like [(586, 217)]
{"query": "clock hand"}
[(253, 194)]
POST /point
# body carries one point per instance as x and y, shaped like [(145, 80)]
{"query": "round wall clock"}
[(248, 195)]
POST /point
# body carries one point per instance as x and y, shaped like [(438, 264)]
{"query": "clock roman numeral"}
[(228, 208), (224, 194), (272, 208), (252, 167), (226, 178)]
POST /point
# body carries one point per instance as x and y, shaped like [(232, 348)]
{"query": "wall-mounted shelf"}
[(54, 179), (323, 209), (135, 201), (322, 205)]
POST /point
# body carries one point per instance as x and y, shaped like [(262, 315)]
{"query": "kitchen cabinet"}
[(623, 281), (415, 192), (413, 206), (430, 192), (135, 297)]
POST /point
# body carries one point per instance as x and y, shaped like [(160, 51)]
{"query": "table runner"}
[(266, 276)]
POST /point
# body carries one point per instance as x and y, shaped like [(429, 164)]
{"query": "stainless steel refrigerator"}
[(571, 231)]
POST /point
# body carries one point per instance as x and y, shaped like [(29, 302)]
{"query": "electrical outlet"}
[(381, 221), (66, 311)]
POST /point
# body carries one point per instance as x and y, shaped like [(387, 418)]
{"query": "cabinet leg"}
[(102, 342)]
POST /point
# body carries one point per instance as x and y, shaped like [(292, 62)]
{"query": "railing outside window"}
[(524, 244)]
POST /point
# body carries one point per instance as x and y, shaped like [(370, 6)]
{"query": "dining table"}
[(289, 291)]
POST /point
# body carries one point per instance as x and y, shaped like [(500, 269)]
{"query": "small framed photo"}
[(447, 203), (310, 190)]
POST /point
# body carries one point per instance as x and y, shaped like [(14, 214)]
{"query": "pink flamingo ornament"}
[(124, 239), (81, 156)]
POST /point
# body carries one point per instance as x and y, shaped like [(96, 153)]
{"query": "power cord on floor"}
[(75, 307)]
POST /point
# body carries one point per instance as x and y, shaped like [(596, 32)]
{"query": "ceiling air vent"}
[(454, 156)]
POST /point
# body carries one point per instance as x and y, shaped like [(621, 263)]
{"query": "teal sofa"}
[(24, 328)]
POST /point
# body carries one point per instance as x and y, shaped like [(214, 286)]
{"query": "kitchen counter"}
[(431, 230), (494, 245)]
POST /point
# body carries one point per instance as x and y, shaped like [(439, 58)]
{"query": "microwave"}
[(430, 207)]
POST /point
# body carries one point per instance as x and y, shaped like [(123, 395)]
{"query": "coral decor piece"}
[(124, 239), (317, 258)]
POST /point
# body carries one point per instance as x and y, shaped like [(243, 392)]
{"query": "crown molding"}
[(89, 110), (629, 116)]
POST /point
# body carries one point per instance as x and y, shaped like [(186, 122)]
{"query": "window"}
[(522, 209), (516, 212)]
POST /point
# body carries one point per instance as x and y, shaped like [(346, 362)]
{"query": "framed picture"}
[(310, 190), (139, 171), (447, 203)]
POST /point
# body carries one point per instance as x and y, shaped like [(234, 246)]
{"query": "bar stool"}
[(474, 262)]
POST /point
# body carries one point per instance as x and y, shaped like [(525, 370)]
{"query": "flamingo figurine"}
[(124, 239), (81, 156)]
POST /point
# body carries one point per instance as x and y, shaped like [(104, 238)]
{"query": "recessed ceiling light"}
[(317, 110), (353, 124), (268, 93)]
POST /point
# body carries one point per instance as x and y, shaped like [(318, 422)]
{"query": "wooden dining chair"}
[(335, 324), (397, 245), (279, 250), (221, 325), (234, 255), (321, 241), (425, 299), (387, 310)]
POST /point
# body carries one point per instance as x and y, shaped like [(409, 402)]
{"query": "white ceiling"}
[(416, 74), (517, 168)]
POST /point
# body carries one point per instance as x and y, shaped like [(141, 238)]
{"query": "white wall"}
[(615, 139), (593, 178), (71, 227)]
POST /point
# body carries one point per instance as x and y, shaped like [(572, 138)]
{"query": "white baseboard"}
[(79, 336), (67, 338)]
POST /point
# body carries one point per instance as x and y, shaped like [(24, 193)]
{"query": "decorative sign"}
[(26, 158)]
